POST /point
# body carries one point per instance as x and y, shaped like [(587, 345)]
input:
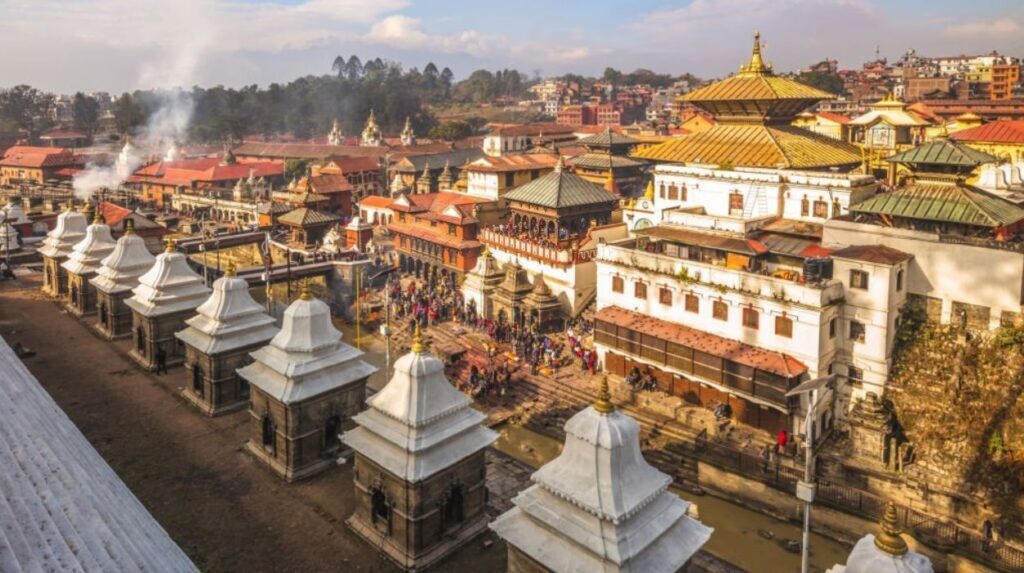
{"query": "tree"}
[(353, 68), (25, 107), (826, 81), (451, 131), (612, 76), (128, 114), (85, 111), (295, 168), (338, 66)]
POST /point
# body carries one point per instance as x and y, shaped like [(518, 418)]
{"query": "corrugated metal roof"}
[(560, 189), (943, 151), (943, 202), (755, 145), (607, 138), (304, 216), (1002, 131), (603, 161)]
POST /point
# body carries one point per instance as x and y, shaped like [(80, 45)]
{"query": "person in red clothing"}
[(781, 440)]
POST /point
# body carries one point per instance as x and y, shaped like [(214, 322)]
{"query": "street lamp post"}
[(387, 316), (805, 489)]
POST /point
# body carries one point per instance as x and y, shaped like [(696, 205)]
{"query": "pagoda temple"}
[(599, 506), (70, 229), (168, 293), (607, 158), (118, 274), (83, 262), (306, 386), (419, 464), (218, 340), (886, 552)]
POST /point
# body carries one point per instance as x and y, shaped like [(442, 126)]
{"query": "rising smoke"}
[(191, 32)]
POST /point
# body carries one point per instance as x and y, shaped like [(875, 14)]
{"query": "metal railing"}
[(946, 535)]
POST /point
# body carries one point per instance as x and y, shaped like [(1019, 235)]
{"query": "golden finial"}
[(169, 246), (756, 65), (97, 217), (306, 294), (486, 252), (129, 226), (560, 165), (417, 341), (889, 539), (649, 193), (230, 270), (603, 404)]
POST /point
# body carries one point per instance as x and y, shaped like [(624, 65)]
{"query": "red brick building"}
[(157, 182), (436, 233), (28, 164)]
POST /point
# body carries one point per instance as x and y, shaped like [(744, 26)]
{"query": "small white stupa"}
[(599, 506), (118, 274), (8, 239), (82, 263), (885, 553), (218, 340), (70, 229), (14, 212), (126, 161), (305, 382), (481, 282), (168, 293), (419, 446)]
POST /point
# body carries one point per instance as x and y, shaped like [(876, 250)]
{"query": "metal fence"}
[(934, 531)]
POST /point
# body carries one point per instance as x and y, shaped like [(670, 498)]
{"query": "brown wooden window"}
[(673, 192), (720, 310), (805, 207), (821, 208), (750, 318), (692, 303), (665, 296), (618, 285), (784, 326), (858, 279), (735, 201), (837, 208), (682, 192), (661, 191), (639, 290)]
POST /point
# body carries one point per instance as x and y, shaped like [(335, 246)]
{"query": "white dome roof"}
[(885, 553), (70, 229), (169, 286), (87, 255), (306, 327), (121, 270), (8, 238), (16, 214), (228, 320)]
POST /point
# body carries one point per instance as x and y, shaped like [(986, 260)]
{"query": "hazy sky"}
[(114, 45)]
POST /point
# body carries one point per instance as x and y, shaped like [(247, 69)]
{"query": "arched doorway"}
[(140, 338), (453, 511), (268, 433), (197, 379), (380, 510), (331, 428)]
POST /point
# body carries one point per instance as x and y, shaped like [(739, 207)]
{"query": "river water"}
[(737, 537)]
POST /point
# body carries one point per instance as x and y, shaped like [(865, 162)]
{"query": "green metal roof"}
[(603, 161), (607, 138), (560, 189), (944, 202), (944, 152)]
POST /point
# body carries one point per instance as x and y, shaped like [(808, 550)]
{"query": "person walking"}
[(161, 360)]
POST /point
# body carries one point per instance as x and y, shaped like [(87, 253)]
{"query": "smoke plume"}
[(189, 40)]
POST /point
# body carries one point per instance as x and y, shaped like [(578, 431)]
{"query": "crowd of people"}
[(425, 301)]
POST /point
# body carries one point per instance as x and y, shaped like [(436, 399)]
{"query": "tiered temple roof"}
[(129, 260), (419, 424), (307, 357), (87, 255), (229, 319), (70, 229), (753, 109), (169, 286), (599, 506), (561, 189)]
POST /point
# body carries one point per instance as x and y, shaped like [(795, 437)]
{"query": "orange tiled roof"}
[(206, 169), (30, 156), (376, 201), (520, 162), (1002, 131), (428, 234), (776, 363)]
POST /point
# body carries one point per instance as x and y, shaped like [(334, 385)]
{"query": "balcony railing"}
[(815, 295), (556, 256)]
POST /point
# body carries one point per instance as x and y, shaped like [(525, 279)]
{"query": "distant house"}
[(161, 180), (24, 164), (64, 138)]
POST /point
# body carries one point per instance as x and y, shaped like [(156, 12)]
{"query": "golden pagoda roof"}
[(755, 82), (755, 145)]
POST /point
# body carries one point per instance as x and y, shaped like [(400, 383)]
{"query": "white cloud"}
[(404, 32), (998, 28)]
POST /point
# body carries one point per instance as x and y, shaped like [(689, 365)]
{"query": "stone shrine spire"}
[(599, 506), (885, 553)]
